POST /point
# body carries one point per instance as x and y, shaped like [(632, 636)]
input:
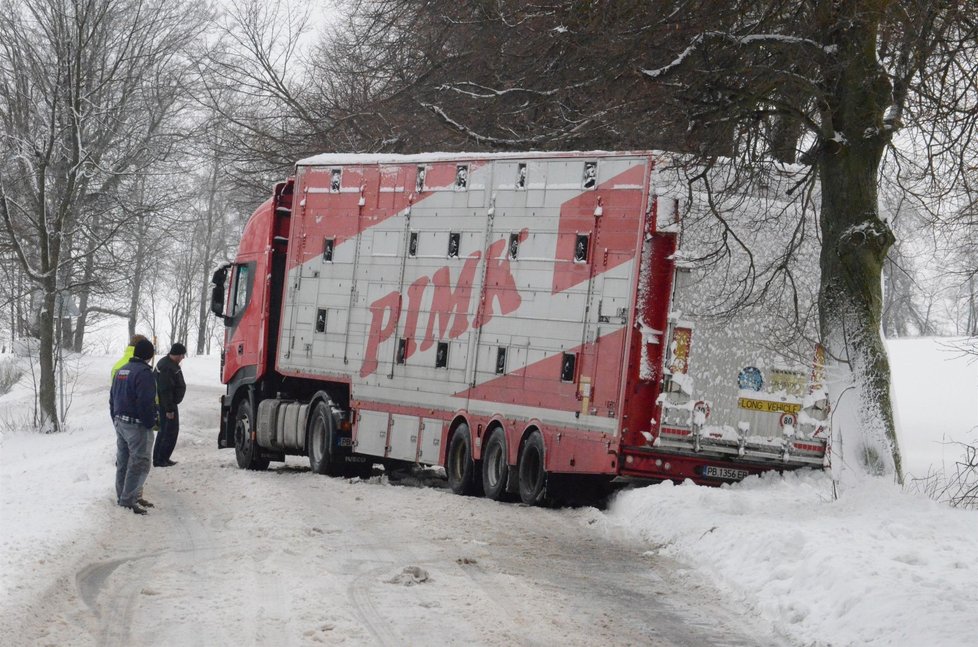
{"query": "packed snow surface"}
[(285, 557)]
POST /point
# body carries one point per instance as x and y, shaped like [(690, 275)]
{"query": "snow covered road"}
[(286, 557)]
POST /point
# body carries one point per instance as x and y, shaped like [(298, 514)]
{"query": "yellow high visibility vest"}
[(126, 356)]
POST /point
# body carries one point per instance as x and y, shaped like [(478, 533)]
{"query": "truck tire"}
[(463, 477), (533, 475), (246, 451), (321, 441), (495, 468)]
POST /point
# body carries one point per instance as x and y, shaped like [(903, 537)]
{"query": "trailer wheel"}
[(320, 441), (533, 476), (495, 469), (463, 477), (245, 449)]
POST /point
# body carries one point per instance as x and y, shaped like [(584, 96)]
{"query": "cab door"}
[(243, 320)]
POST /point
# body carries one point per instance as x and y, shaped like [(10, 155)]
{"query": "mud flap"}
[(223, 439)]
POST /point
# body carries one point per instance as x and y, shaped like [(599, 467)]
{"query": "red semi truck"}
[(511, 317)]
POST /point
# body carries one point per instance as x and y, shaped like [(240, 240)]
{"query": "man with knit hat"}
[(132, 404), (126, 355), (170, 389)]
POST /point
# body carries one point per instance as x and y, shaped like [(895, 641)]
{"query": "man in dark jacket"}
[(132, 403), (170, 389)]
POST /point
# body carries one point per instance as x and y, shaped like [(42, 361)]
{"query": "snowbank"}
[(875, 567)]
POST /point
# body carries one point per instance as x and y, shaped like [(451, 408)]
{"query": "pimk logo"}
[(449, 316)]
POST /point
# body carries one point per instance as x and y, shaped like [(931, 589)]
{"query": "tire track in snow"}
[(115, 613), (368, 612), (117, 590)]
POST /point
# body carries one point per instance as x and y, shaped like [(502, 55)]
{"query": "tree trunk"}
[(202, 311), (855, 244), (85, 290), (47, 390), (81, 323), (137, 272), (207, 260), (972, 326)]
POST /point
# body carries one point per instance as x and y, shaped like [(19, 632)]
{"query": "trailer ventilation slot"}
[(581, 248), (590, 175), (567, 366), (521, 176)]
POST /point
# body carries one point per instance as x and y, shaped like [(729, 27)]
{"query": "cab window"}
[(242, 286)]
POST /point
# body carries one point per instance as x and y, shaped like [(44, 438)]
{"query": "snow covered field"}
[(285, 557)]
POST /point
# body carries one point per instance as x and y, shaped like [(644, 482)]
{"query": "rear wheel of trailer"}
[(532, 474), (495, 466), (463, 475)]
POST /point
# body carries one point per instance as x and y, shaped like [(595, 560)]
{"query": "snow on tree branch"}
[(487, 92), (753, 39), (485, 139)]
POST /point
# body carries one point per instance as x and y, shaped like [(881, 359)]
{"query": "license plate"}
[(724, 473)]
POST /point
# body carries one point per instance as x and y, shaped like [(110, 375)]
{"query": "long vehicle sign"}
[(768, 406)]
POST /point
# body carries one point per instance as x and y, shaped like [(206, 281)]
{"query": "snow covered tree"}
[(961, 269), (261, 96), (851, 73), (88, 91), (909, 306)]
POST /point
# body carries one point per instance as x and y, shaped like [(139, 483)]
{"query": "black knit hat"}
[(178, 349), (144, 350)]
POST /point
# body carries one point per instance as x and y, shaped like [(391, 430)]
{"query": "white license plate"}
[(724, 473)]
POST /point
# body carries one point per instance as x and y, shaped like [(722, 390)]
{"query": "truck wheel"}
[(495, 469), (321, 441), (245, 448), (462, 474), (533, 476)]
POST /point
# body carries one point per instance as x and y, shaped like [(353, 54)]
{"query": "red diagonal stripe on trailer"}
[(338, 215), (539, 384), (617, 228)]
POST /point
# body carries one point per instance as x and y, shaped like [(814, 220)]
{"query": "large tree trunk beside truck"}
[(507, 316)]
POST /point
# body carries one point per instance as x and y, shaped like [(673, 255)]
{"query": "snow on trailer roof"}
[(340, 159)]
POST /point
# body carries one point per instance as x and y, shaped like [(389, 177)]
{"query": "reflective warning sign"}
[(767, 406)]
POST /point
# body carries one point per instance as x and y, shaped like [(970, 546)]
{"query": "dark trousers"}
[(166, 439)]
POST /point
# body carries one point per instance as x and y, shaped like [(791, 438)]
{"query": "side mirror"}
[(217, 290)]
